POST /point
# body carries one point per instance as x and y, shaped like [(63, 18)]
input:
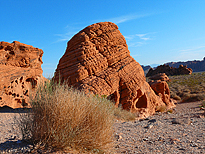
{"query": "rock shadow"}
[(7, 109)]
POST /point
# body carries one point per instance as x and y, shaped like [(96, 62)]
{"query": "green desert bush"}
[(65, 118)]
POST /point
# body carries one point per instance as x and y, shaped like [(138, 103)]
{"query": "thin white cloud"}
[(139, 39), (142, 37), (125, 18), (192, 53), (66, 37), (192, 49), (136, 55), (135, 44), (71, 30)]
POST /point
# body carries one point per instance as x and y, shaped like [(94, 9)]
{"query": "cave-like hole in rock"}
[(113, 97), (21, 79), (0, 98), (33, 82), (14, 95), (12, 53), (142, 102), (26, 92), (8, 48), (24, 103)]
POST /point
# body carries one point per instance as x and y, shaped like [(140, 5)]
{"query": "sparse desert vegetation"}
[(188, 88)]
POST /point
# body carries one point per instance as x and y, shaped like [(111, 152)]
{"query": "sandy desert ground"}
[(182, 131)]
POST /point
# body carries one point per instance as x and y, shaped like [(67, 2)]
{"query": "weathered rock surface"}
[(20, 72), (97, 60), (169, 70), (161, 88), (160, 76)]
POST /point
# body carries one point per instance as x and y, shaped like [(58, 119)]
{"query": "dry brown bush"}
[(64, 118), (161, 108)]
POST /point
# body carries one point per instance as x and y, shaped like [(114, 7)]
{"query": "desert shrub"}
[(124, 115), (161, 108), (176, 97), (120, 113), (193, 97), (65, 118), (202, 104), (188, 87), (170, 110)]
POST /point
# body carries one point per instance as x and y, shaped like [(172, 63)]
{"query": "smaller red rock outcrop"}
[(20, 73), (169, 70), (160, 76), (161, 88)]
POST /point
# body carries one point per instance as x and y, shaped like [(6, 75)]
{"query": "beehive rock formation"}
[(97, 60), (20, 72), (169, 70)]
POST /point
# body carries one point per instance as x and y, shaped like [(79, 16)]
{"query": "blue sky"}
[(156, 31)]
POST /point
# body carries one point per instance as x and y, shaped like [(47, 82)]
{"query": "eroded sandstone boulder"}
[(160, 76), (20, 73), (161, 88), (181, 70), (97, 60)]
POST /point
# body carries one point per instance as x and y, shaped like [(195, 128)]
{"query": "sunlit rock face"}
[(20, 73), (181, 70), (97, 61)]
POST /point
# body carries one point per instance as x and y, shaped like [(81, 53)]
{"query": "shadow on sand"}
[(9, 145), (7, 109)]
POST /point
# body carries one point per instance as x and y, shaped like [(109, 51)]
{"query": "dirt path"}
[(182, 131)]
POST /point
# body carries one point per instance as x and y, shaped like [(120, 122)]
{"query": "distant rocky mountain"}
[(146, 68), (195, 65)]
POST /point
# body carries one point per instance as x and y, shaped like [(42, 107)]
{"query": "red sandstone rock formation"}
[(20, 72), (160, 76), (161, 88), (97, 60), (169, 70)]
